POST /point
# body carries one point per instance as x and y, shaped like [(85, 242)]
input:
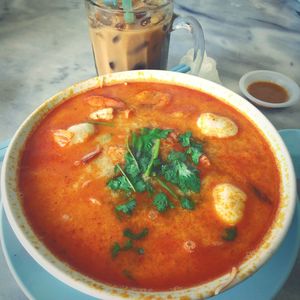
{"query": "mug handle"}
[(192, 26)]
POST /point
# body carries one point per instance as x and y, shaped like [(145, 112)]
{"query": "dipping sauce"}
[(268, 91)]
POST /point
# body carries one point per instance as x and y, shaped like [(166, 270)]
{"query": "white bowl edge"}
[(60, 270)]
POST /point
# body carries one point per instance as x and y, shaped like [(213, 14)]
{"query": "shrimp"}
[(152, 98), (62, 137), (75, 134), (103, 102)]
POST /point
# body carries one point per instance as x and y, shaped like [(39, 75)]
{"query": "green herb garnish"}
[(194, 149), (127, 208), (162, 203), (128, 245), (143, 162), (119, 183), (144, 166), (144, 142), (131, 168), (126, 177), (187, 203), (140, 159), (134, 174), (131, 154), (128, 274), (185, 139), (154, 156), (116, 248), (167, 188), (135, 236), (179, 172), (230, 234)]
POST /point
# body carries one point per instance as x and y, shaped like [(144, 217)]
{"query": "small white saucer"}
[(264, 75)]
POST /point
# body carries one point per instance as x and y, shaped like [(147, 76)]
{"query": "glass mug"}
[(133, 35)]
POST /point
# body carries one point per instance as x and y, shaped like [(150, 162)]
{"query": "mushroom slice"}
[(229, 203), (102, 114), (81, 132), (216, 126)]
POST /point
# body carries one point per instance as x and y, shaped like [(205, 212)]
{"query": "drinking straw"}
[(129, 15), (182, 68), (113, 3)]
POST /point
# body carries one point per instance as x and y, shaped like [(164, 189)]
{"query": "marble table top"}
[(45, 47)]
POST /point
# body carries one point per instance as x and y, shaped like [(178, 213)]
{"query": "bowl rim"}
[(81, 282), (274, 77)]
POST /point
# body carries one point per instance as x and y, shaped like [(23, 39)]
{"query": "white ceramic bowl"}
[(287, 83), (25, 234)]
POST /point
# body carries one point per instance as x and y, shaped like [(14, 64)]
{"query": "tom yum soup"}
[(149, 186)]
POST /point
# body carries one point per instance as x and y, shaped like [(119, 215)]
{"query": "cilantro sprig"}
[(162, 202), (154, 156), (146, 147), (139, 161), (126, 177), (167, 188), (194, 148), (177, 171), (115, 249), (131, 154), (135, 236), (187, 203), (144, 167), (129, 244), (145, 171), (127, 207)]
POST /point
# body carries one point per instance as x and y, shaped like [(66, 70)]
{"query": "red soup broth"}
[(72, 210)]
